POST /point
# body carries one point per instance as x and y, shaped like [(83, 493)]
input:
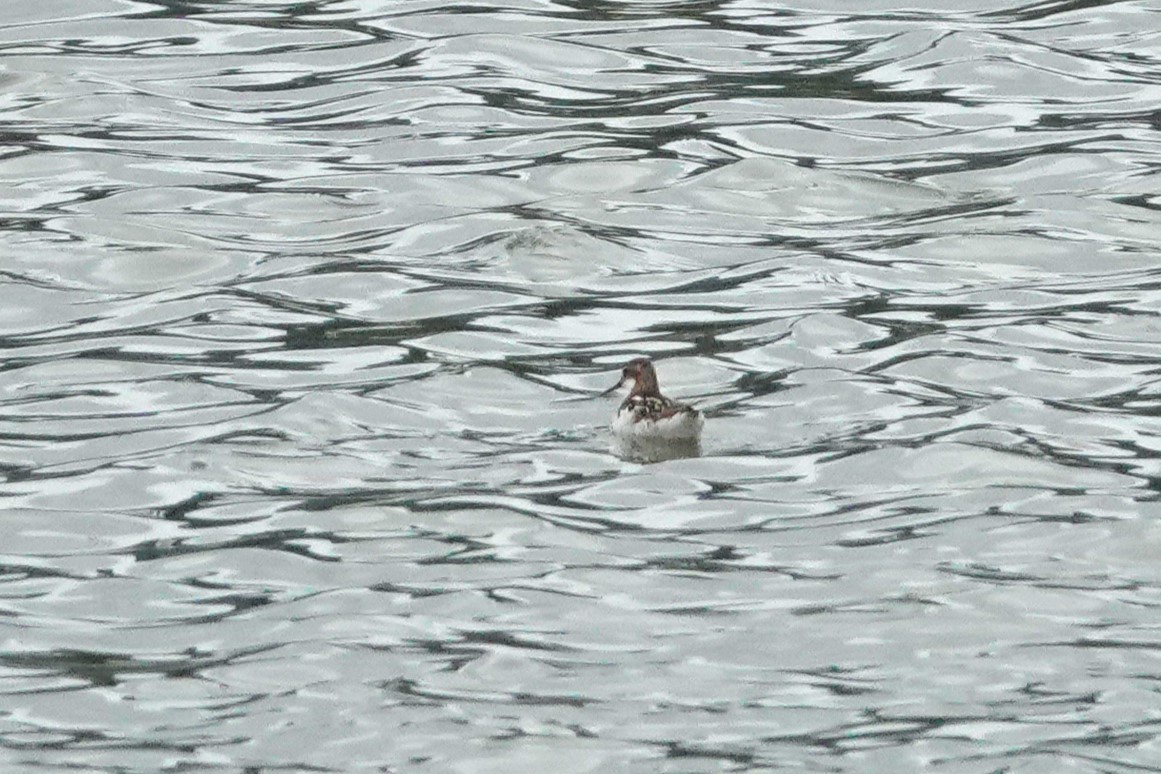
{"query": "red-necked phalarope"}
[(646, 414)]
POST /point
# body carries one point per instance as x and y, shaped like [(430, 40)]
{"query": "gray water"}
[(305, 309)]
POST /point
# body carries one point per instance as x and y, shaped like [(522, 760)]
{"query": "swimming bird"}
[(646, 414)]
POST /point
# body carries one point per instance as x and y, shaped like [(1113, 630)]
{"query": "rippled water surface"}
[(305, 309)]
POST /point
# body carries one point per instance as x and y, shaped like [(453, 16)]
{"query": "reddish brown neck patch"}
[(645, 384)]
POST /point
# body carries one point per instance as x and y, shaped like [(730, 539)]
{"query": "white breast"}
[(682, 426)]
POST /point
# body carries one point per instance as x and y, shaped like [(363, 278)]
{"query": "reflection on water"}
[(304, 307), (651, 450)]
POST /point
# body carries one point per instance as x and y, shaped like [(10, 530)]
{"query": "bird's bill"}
[(620, 383)]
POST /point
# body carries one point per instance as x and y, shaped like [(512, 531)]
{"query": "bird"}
[(648, 416)]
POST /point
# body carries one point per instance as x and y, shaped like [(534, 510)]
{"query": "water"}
[(305, 307)]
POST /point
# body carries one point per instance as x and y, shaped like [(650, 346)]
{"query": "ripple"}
[(304, 314)]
